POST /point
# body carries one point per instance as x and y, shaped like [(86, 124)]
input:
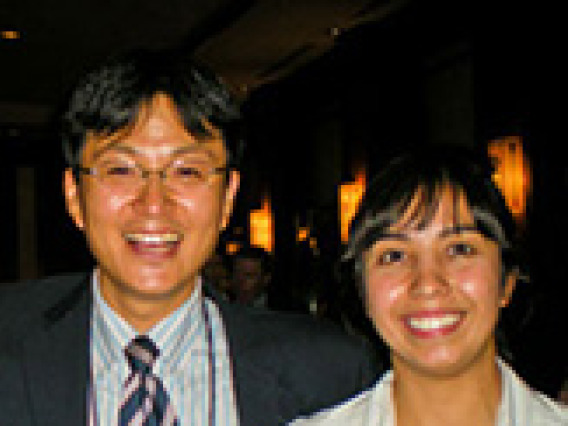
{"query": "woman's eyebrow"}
[(392, 236), (458, 229)]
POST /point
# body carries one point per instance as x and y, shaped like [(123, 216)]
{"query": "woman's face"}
[(434, 293)]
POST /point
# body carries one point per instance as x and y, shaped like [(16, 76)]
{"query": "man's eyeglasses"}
[(128, 178)]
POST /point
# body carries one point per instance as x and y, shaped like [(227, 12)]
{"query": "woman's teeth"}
[(433, 323)]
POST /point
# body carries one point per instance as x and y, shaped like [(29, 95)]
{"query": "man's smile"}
[(153, 243)]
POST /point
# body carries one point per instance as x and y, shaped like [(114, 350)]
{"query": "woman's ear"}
[(73, 198), (508, 288)]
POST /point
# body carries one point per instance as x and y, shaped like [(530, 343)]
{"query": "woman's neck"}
[(469, 397)]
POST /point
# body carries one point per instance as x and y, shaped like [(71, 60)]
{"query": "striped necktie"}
[(145, 399)]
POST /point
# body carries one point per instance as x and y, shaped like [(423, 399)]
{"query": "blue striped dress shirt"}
[(183, 364)]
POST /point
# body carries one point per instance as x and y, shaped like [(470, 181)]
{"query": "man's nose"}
[(152, 194)]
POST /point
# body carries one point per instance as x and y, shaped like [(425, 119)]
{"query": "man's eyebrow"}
[(114, 146), (458, 229), (133, 150), (194, 148)]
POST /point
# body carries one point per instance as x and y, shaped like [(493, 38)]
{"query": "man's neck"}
[(141, 311)]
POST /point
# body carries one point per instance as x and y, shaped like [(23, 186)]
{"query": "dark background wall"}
[(423, 77), (443, 72)]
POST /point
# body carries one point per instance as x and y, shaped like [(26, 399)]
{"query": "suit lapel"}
[(257, 394), (56, 360), (255, 388), (260, 398)]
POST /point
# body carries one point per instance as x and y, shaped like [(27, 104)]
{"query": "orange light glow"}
[(262, 227), (231, 247), (512, 173), (350, 194), (302, 234), (10, 35), (313, 243)]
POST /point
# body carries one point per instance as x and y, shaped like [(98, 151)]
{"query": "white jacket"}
[(520, 406)]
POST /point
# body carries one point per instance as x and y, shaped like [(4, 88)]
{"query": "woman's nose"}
[(429, 277)]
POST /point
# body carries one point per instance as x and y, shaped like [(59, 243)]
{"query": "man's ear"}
[(73, 198), (508, 288), (231, 190)]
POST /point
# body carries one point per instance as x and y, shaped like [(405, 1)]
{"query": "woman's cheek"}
[(475, 282), (383, 293)]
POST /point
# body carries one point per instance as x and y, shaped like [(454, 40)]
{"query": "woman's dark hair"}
[(425, 173), (109, 98)]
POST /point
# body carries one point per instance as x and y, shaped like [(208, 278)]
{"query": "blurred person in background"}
[(251, 276), (217, 273)]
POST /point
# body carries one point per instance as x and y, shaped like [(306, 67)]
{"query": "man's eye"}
[(461, 249), (188, 172), (119, 170)]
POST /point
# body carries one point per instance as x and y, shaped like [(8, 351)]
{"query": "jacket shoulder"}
[(295, 331), (313, 361), (21, 303)]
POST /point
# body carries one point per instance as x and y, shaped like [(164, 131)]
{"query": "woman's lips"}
[(433, 323)]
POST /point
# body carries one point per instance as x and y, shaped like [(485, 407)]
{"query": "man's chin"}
[(158, 289), (149, 284)]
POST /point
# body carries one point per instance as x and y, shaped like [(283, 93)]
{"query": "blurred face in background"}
[(217, 273), (434, 292), (248, 276)]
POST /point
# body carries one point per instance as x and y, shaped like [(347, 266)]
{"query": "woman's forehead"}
[(428, 206)]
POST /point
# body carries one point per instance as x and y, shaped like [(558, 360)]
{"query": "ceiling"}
[(249, 43)]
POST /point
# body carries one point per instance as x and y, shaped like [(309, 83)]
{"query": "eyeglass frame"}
[(145, 173)]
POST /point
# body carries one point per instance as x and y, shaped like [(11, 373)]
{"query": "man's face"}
[(151, 243)]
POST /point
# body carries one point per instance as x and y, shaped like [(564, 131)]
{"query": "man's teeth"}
[(153, 238), (433, 323)]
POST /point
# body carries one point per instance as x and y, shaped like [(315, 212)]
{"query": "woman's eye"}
[(461, 249), (388, 257)]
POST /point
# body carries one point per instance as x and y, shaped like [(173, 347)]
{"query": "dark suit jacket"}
[(284, 365)]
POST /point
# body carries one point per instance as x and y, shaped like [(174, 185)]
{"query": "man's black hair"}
[(109, 98)]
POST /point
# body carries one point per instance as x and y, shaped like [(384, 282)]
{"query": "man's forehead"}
[(158, 121), (126, 143), (201, 149)]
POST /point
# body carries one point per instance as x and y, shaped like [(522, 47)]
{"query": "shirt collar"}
[(173, 335), (512, 396), (381, 409)]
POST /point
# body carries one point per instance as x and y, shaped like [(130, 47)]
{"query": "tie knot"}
[(141, 354)]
